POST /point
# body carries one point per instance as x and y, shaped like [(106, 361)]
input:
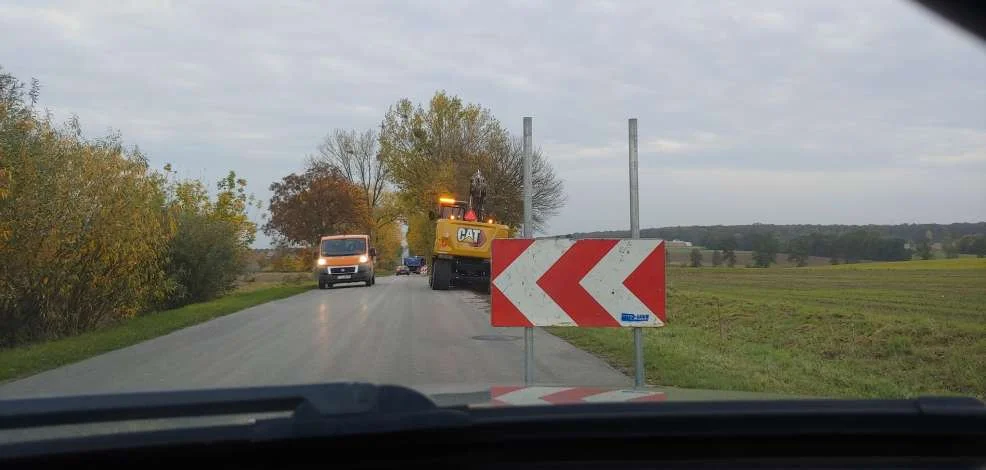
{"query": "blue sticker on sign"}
[(634, 317)]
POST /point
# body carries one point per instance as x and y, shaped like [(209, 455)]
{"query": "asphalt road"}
[(398, 331)]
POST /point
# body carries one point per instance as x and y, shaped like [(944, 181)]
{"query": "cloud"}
[(54, 20), (950, 160), (766, 87)]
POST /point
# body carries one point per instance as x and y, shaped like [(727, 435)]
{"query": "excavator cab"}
[(449, 208)]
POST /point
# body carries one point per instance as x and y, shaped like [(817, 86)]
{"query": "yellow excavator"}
[(463, 240)]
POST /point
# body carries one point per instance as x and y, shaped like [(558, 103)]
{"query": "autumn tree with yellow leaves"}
[(432, 151), (89, 234)]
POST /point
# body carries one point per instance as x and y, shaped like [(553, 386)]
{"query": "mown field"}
[(864, 330)]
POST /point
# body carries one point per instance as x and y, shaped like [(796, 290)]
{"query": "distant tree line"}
[(848, 247), (710, 235)]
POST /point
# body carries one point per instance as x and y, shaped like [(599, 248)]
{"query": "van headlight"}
[(322, 262), (363, 258)]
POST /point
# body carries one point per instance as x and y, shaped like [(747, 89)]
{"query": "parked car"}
[(403, 270)]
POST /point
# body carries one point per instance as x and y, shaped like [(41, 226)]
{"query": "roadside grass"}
[(30, 359), (267, 279), (865, 330)]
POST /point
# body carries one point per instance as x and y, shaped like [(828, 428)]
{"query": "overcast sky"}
[(767, 111)]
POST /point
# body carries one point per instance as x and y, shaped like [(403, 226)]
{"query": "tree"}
[(389, 247), (717, 258), (433, 152), (972, 245), (287, 259), (696, 258), (949, 246), (231, 206), (81, 221), (321, 201), (923, 249), (978, 246), (212, 240), (729, 256), (504, 172), (765, 247), (798, 251), (420, 234), (728, 245), (356, 156), (89, 234), (951, 251)]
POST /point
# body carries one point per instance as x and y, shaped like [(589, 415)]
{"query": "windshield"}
[(343, 246), (708, 200), (447, 212)]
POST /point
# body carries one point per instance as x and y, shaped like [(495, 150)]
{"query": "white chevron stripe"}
[(519, 282), (605, 281), (529, 395), (618, 396)]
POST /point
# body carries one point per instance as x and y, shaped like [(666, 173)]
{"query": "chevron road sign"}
[(536, 395), (582, 283)]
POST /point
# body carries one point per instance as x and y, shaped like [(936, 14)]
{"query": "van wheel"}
[(441, 274)]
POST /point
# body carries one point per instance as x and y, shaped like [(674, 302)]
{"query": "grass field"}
[(864, 330), (31, 359)]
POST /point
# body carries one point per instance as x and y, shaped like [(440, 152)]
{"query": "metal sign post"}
[(638, 335), (590, 283), (528, 233)]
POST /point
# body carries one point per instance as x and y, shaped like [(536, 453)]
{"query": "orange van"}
[(345, 258)]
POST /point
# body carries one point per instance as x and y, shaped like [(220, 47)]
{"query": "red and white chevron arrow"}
[(513, 396), (586, 283)]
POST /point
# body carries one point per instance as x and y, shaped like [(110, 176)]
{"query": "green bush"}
[(82, 226), (210, 247), (204, 260), (89, 234)]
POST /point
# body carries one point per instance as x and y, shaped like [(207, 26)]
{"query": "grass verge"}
[(30, 359), (874, 330)]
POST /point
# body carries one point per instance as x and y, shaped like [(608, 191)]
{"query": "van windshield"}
[(343, 246)]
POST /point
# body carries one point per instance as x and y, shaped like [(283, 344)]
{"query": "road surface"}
[(398, 331)]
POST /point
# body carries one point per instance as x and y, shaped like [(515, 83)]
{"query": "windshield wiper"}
[(309, 410), (305, 402)]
